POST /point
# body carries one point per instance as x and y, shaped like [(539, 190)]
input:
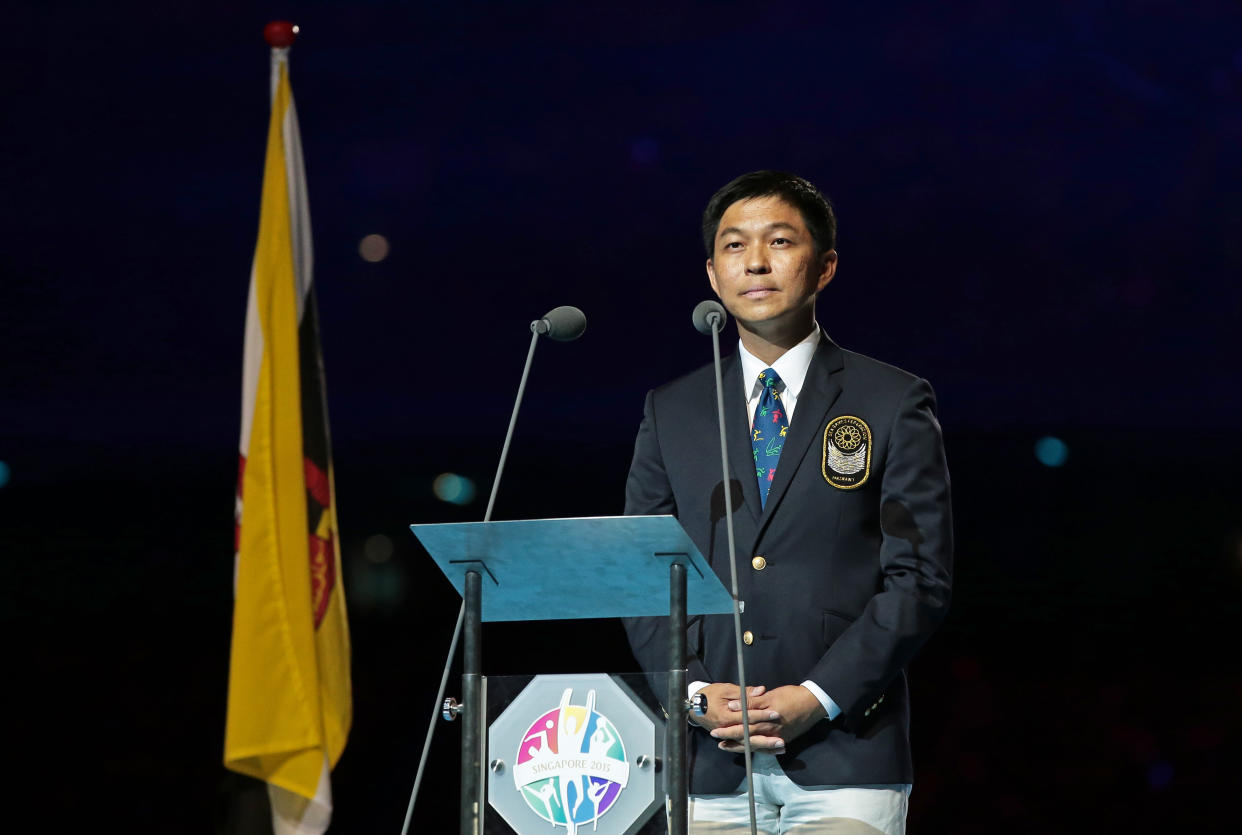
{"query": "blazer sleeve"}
[(648, 492), (916, 562)]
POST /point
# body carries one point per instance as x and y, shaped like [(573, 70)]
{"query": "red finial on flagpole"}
[(280, 34)]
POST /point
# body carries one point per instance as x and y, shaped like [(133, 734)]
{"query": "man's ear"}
[(828, 268), (711, 277)]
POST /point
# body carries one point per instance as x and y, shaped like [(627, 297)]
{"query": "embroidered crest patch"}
[(847, 452)]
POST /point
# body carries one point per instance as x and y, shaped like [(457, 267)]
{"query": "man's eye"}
[(780, 240), (733, 245)]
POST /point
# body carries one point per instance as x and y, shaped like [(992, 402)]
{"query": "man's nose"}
[(757, 262)]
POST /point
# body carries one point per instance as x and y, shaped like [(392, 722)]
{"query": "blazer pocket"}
[(834, 624)]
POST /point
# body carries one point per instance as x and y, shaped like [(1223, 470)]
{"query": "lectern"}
[(555, 569)]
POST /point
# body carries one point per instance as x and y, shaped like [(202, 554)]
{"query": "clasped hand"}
[(776, 717)]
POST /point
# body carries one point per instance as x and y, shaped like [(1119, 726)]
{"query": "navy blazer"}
[(858, 566)]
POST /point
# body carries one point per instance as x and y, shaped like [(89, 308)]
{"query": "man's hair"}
[(815, 209)]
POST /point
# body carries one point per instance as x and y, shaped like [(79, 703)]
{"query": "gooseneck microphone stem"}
[(717, 324), (435, 714), (461, 613), (517, 404), (563, 324)]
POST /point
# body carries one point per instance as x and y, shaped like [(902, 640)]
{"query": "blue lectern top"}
[(558, 569)]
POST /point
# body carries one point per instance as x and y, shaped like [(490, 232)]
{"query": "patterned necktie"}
[(767, 432)]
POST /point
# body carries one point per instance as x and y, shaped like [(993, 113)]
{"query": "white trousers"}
[(782, 806)]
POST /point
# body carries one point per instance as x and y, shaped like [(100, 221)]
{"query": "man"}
[(843, 533)]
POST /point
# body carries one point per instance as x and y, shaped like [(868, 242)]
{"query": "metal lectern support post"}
[(676, 730), (472, 709)]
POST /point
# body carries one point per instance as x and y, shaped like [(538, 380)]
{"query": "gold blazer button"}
[(748, 637), (759, 563)]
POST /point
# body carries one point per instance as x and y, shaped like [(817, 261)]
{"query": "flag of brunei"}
[(289, 700)]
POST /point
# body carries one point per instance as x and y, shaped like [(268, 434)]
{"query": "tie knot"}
[(768, 378)]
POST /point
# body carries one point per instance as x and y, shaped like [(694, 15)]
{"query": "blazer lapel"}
[(819, 392), (737, 433)]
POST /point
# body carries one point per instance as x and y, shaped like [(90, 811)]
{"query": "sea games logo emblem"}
[(571, 764)]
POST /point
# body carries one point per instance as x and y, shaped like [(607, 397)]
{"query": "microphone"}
[(709, 318), (709, 315), (563, 324)]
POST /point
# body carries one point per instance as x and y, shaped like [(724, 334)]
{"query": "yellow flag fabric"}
[(289, 698)]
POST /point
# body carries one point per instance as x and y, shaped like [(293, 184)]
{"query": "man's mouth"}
[(758, 292)]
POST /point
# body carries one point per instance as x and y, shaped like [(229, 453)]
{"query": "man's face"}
[(764, 267)]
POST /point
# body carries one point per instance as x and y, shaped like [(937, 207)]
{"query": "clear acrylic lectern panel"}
[(595, 567)]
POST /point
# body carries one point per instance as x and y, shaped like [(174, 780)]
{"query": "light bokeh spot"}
[(1051, 452), (373, 248), (378, 548), (453, 488)]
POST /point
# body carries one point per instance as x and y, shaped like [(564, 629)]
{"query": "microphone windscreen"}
[(565, 323), (703, 314)]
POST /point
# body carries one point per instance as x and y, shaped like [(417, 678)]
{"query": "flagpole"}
[(280, 35)]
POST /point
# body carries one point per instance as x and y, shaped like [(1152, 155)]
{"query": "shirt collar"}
[(790, 366)]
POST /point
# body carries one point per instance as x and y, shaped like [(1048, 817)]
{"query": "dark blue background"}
[(1039, 212)]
